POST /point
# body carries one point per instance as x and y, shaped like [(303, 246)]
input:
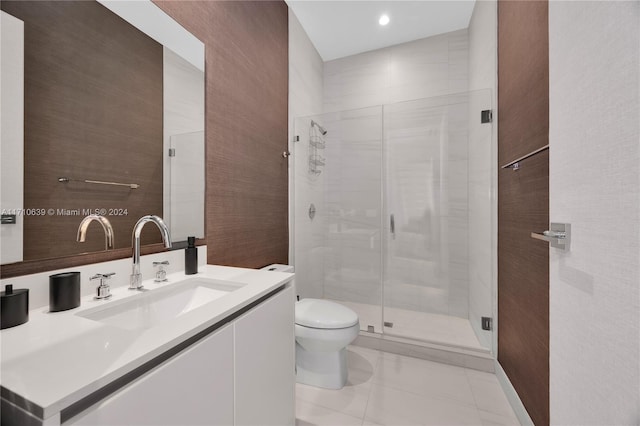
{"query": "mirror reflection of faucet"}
[(136, 276), (106, 227)]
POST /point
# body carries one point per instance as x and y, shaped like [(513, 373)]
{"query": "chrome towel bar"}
[(515, 164), (99, 182)]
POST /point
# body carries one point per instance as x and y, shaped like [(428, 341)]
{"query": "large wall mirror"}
[(102, 113)]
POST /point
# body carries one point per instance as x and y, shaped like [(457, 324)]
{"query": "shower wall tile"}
[(458, 61), (430, 50), (416, 298), (458, 301), (352, 196), (419, 69), (423, 81), (428, 194), (307, 239), (356, 81)]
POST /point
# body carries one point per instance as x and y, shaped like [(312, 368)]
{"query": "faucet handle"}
[(161, 274), (103, 291), (102, 277)]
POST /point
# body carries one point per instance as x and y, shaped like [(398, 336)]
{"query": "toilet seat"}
[(325, 340), (324, 314)]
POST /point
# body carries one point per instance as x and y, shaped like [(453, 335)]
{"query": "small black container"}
[(14, 307), (64, 291), (191, 257)]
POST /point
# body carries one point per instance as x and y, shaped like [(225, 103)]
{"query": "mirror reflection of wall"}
[(184, 143), (102, 101), (187, 185), (11, 135)]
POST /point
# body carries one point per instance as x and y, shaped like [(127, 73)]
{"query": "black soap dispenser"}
[(191, 257), (14, 309)]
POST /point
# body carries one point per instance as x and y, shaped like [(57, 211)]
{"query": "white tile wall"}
[(594, 173), (306, 243), (12, 136), (423, 68), (482, 165)]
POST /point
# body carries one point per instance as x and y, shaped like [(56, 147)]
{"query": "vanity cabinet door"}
[(265, 363), (194, 387)]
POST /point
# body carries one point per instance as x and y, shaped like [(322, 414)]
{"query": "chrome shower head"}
[(323, 131)]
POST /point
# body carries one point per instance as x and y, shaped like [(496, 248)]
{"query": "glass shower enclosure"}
[(393, 208)]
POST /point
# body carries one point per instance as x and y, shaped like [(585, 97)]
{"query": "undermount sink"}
[(154, 307)]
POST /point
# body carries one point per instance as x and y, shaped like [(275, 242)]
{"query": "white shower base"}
[(433, 328)]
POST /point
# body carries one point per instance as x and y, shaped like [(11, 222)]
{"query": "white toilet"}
[(323, 330)]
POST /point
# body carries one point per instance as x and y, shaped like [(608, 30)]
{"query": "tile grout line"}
[(440, 397), (473, 394), (482, 410), (342, 413), (375, 369)]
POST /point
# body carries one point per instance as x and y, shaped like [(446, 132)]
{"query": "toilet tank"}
[(279, 268)]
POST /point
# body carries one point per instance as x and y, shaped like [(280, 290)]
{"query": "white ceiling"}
[(344, 28)]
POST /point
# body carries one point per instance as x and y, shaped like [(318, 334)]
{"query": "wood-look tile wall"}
[(93, 110), (246, 45), (523, 70), (523, 202)]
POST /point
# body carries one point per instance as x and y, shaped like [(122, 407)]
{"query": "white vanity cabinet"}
[(194, 387), (265, 363), (241, 374)]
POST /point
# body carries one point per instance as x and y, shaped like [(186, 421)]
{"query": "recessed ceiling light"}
[(384, 20)]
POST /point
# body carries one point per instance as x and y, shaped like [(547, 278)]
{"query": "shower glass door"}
[(426, 227), (338, 210), (394, 216)]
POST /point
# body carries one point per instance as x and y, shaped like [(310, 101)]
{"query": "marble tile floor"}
[(389, 389), (424, 326)]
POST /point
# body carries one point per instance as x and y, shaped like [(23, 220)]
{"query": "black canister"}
[(14, 307), (64, 291)]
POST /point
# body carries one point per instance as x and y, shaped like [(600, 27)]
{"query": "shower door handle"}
[(392, 224)]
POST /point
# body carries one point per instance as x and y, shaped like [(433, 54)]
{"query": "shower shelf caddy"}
[(316, 143)]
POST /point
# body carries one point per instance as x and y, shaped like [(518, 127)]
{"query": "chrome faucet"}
[(136, 276), (106, 227)]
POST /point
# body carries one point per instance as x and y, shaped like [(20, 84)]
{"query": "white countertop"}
[(56, 359)]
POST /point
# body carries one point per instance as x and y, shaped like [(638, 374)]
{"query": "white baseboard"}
[(516, 404)]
